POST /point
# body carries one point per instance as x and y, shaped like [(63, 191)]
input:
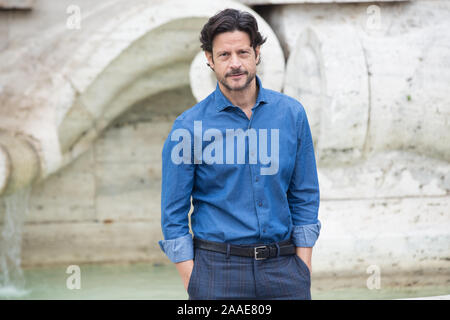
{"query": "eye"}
[(223, 54)]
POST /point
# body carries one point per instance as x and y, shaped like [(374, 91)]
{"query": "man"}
[(255, 216)]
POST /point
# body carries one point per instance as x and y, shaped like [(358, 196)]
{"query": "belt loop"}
[(278, 249), (228, 251)]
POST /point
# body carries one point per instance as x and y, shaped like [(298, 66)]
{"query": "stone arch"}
[(76, 82)]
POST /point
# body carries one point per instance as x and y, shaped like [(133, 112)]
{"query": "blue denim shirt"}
[(251, 180)]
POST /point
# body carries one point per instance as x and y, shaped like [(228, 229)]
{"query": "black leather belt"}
[(259, 252)]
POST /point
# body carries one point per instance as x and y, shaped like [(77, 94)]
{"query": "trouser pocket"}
[(303, 267), (193, 278)]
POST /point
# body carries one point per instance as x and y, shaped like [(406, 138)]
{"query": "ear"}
[(210, 59), (258, 55)]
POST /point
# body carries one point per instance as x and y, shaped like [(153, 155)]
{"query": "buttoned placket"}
[(254, 176)]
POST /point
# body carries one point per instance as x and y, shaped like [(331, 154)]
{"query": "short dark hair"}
[(230, 20)]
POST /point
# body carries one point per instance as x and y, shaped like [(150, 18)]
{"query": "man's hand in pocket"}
[(305, 254), (185, 270)]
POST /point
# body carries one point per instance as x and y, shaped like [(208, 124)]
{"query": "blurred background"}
[(88, 94)]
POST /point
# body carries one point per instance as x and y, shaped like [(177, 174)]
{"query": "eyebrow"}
[(226, 51)]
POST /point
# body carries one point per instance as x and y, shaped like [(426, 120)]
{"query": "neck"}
[(245, 99)]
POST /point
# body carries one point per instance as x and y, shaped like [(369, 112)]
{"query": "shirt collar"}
[(222, 102)]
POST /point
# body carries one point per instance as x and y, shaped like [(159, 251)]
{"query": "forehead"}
[(231, 39)]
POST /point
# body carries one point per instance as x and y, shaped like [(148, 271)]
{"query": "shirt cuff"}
[(306, 235), (179, 249)]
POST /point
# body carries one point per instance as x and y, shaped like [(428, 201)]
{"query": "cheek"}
[(220, 68), (249, 62), (250, 66)]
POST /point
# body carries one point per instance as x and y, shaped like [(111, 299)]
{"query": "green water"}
[(144, 281)]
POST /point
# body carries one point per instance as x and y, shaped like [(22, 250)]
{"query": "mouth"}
[(237, 75)]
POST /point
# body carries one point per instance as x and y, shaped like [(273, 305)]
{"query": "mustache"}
[(233, 73)]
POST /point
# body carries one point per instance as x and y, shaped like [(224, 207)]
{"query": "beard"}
[(224, 82)]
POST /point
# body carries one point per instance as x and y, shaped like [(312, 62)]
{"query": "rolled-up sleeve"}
[(177, 182), (179, 249), (303, 193)]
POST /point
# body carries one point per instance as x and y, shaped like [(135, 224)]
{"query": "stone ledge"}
[(396, 235), (90, 242), (262, 2), (16, 4)]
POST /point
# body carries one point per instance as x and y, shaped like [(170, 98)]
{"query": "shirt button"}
[(257, 179), (260, 203)]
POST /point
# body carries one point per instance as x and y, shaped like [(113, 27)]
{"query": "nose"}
[(235, 63)]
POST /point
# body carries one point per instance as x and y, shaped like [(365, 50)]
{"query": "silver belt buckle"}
[(256, 252)]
